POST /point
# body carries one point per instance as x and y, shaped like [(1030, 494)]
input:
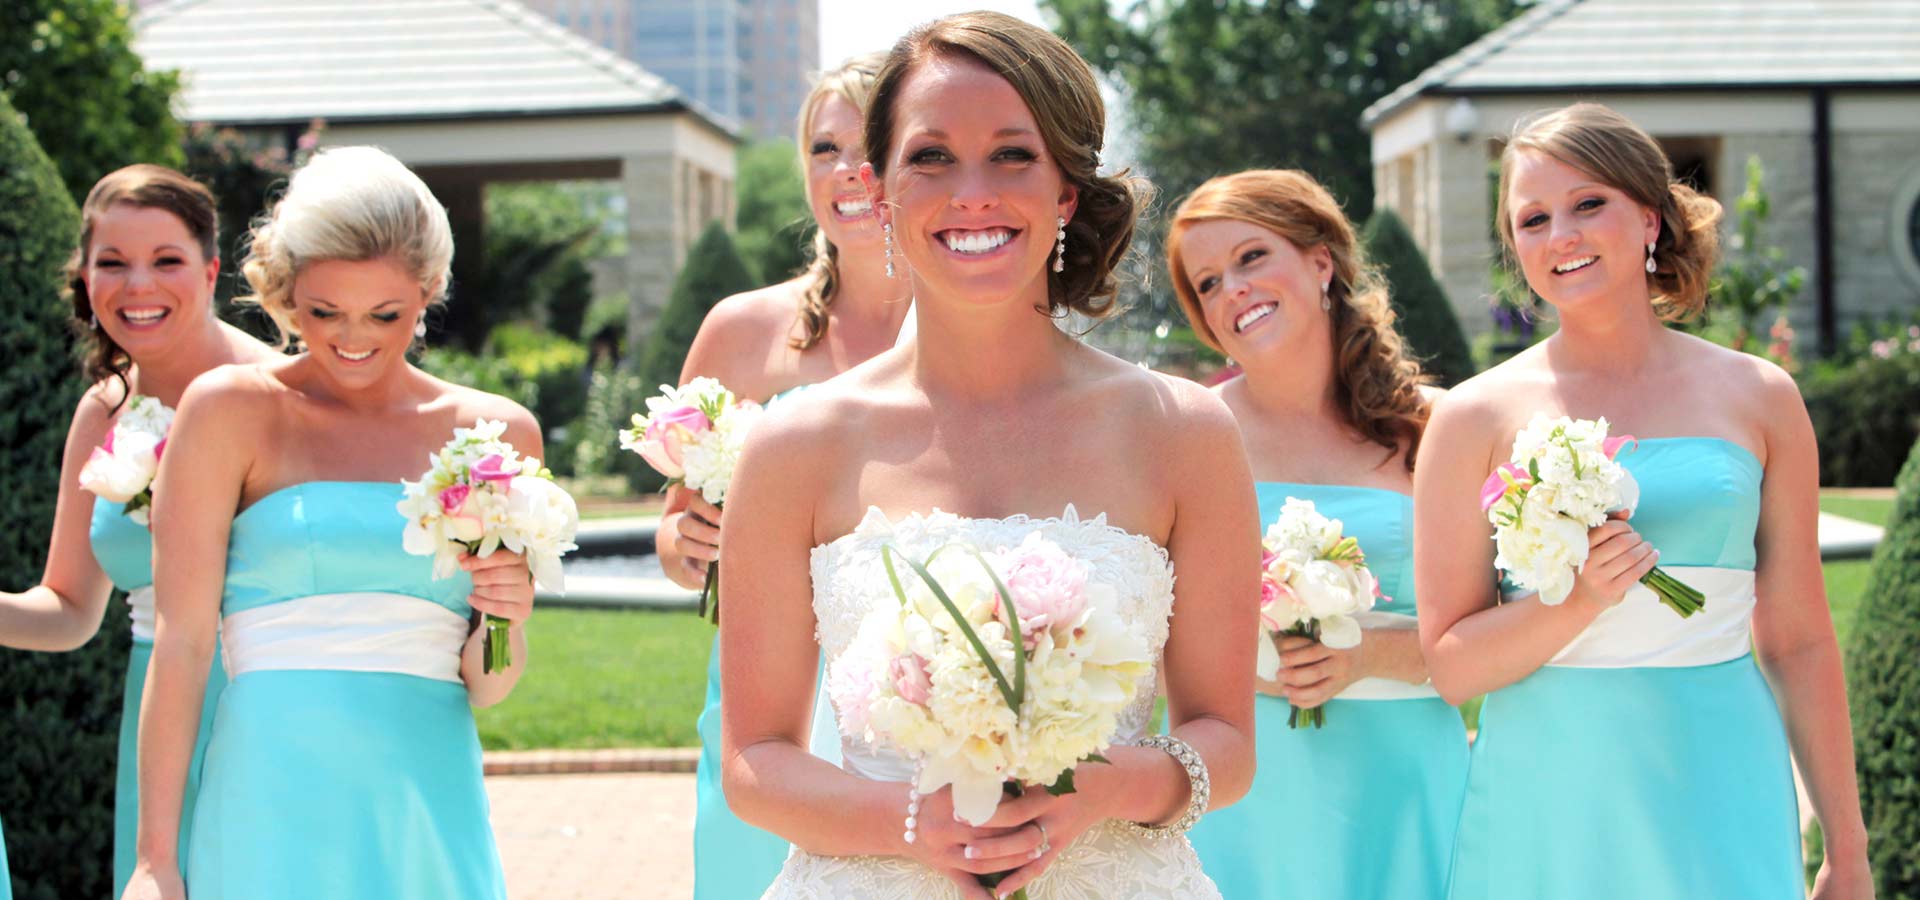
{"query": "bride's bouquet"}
[(693, 434), (121, 470), (1313, 582), (1560, 481), (994, 671), (478, 494)]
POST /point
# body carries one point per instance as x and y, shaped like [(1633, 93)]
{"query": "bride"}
[(983, 133)]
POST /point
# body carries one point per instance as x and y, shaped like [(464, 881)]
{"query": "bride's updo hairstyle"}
[(347, 203), (1060, 91), (1608, 146)]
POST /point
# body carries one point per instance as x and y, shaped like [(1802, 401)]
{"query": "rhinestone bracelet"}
[(1200, 786)]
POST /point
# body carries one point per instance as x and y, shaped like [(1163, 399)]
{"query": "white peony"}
[(542, 520)]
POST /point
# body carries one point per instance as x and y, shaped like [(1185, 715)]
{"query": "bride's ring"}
[(1045, 844)]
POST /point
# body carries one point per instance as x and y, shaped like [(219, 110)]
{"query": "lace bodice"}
[(848, 579), (1109, 862)]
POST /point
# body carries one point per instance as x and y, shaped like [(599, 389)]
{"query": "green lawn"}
[(1870, 510), (605, 678)]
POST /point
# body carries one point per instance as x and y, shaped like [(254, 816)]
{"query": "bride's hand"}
[(152, 884), (963, 852), (1616, 560), (502, 584), (1060, 820)]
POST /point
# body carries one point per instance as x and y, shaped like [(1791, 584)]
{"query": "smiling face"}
[(147, 278), (834, 192), (357, 316), (1579, 240), (1259, 293), (971, 191)]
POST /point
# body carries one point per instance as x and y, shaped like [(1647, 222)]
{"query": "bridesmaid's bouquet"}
[(1313, 582), (986, 692), (1560, 481), (478, 495), (122, 469), (693, 435)]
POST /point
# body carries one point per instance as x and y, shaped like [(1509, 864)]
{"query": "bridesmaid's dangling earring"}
[(420, 327), (1326, 302), (1060, 245), (1651, 268), (886, 232)]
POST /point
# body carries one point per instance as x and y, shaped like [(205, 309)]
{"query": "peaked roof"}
[(287, 61), (1666, 45)]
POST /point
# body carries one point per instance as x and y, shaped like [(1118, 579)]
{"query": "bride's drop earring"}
[(886, 232), (1060, 246)]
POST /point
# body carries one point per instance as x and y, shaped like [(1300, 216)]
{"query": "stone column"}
[(656, 240)]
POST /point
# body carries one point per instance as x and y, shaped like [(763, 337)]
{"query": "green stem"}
[(497, 648)]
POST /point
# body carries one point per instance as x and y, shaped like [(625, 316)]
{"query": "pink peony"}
[(1049, 587), (910, 679)]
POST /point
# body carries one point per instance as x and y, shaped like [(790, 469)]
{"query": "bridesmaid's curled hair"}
[(347, 203), (853, 82), (1376, 381), (1608, 146)]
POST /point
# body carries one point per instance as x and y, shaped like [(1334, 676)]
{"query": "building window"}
[(1906, 228)]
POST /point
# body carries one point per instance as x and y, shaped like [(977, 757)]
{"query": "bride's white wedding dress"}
[(1112, 861)]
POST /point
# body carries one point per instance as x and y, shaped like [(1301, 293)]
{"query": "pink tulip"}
[(493, 468)]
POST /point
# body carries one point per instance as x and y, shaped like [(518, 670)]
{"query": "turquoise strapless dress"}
[(6, 880), (732, 859), (336, 768), (1365, 807), (124, 550), (1635, 765)]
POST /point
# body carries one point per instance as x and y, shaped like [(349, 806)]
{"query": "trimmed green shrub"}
[(775, 227), (613, 396), (1884, 687), (59, 713), (1864, 412), (1425, 318), (555, 366)]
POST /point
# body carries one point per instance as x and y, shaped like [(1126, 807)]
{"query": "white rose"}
[(542, 520), (120, 475)]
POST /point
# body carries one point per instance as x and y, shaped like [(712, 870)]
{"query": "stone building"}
[(467, 93)]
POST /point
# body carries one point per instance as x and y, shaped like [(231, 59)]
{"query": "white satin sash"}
[(1386, 688), (1642, 631), (140, 601), (353, 632)]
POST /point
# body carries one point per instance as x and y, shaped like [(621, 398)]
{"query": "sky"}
[(848, 27)]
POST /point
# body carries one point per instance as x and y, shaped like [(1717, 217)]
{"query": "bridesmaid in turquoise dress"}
[(1624, 751), (343, 760), (772, 343), (1268, 271), (148, 244)]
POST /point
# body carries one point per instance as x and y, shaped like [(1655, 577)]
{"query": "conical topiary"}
[(1426, 319)]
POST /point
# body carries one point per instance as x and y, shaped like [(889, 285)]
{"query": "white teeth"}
[(1253, 315), (851, 208), (1575, 264), (149, 314), (977, 241), (352, 357)]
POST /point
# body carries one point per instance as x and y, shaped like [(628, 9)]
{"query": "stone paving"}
[(595, 837)]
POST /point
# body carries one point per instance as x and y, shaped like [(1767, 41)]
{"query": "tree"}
[(243, 179), (61, 714), (1426, 319), (775, 226), (1222, 86), (69, 67), (1884, 687)]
